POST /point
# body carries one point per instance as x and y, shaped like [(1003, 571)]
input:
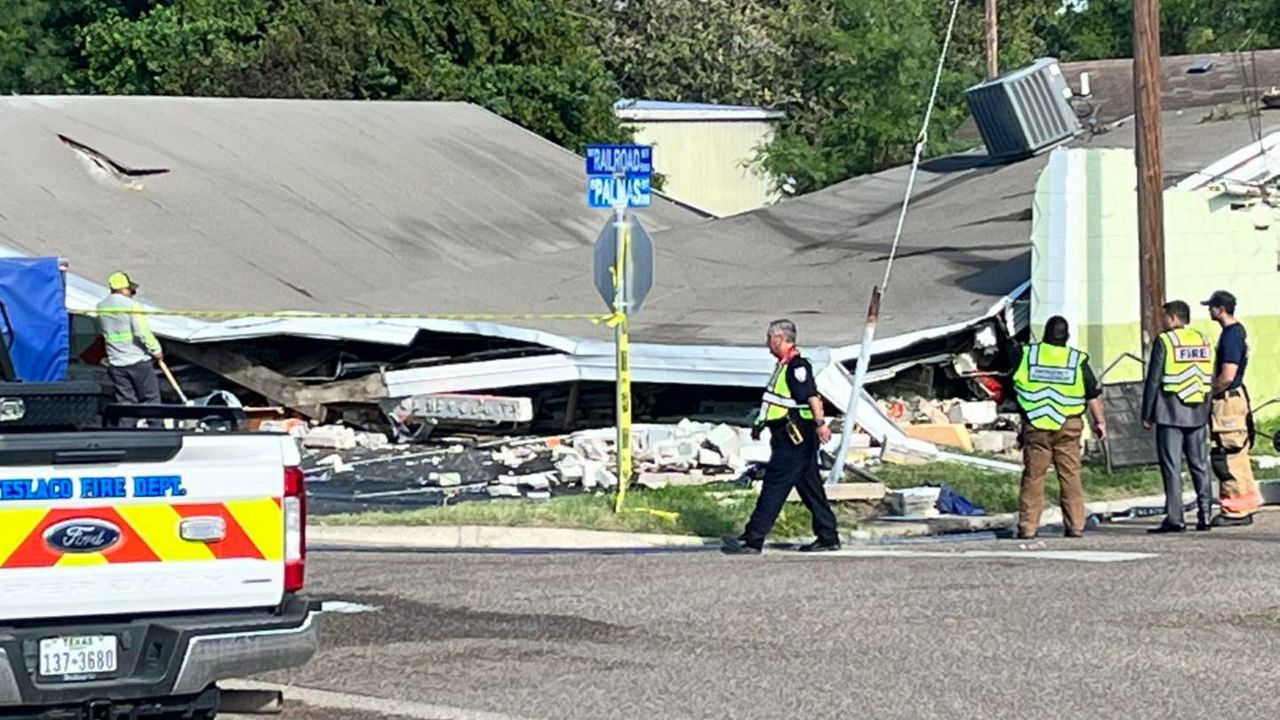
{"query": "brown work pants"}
[(1238, 491), (1061, 450)]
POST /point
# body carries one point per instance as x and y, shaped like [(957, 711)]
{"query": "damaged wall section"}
[(1086, 259)]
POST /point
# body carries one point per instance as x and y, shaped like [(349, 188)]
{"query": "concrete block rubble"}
[(351, 470), (968, 426)]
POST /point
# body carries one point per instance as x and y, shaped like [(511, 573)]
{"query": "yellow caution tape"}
[(623, 362), (303, 315), (610, 320), (623, 347), (664, 514)]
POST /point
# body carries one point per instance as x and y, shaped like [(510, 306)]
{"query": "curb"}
[(464, 538), (888, 530)]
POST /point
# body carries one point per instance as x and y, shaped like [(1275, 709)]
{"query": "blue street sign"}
[(619, 176), (629, 160), (606, 191)]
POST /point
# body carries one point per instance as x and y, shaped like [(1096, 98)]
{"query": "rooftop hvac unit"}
[(1024, 111)]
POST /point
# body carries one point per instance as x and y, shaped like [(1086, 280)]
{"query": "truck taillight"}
[(295, 529)]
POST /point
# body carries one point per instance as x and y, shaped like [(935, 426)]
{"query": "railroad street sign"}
[(619, 176)]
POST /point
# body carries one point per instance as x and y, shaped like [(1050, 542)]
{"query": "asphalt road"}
[(1191, 630)]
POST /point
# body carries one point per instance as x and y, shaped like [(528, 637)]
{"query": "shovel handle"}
[(172, 381)]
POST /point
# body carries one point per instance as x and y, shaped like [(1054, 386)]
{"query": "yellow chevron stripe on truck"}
[(157, 525), (15, 526), (147, 533), (262, 521)]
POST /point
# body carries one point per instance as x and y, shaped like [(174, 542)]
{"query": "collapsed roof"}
[(1186, 81), (965, 247), (353, 207), (329, 206), (288, 204)]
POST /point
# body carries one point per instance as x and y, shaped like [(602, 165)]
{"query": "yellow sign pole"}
[(623, 354)]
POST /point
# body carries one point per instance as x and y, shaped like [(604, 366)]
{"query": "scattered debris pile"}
[(354, 470), (973, 427), (1271, 98), (351, 470)]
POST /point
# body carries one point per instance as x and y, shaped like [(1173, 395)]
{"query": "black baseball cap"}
[(1222, 299)]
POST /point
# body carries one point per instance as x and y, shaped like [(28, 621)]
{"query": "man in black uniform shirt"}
[(792, 411)]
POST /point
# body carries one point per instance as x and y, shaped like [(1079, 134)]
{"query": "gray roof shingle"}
[(435, 208)]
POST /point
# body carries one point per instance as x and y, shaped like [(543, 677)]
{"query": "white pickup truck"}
[(140, 567)]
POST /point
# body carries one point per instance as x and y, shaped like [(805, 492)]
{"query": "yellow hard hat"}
[(121, 281)]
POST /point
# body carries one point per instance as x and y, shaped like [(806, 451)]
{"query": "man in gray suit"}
[(1175, 400)]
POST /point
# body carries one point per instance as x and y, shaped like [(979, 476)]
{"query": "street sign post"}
[(620, 177), (639, 278)]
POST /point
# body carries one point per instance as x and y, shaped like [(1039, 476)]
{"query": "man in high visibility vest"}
[(132, 349), (1232, 428), (792, 411), (1175, 401), (1054, 386)]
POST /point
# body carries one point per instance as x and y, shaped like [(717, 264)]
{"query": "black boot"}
[(1167, 527), (820, 546), (737, 546), (1224, 521), (1202, 522)]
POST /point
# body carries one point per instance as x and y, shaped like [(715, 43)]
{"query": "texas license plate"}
[(78, 655)]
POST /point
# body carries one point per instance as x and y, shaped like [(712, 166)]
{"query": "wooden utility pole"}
[(993, 41), (1148, 149)]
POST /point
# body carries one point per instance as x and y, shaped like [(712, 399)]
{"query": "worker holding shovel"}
[(132, 349)]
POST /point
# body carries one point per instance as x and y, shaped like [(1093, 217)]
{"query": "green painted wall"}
[(1085, 262)]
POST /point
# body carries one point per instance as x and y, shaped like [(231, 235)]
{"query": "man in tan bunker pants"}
[(1231, 423)]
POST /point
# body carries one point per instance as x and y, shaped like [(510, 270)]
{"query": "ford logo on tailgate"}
[(82, 536)]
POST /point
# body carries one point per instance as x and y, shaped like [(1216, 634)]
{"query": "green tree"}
[(712, 51), (868, 68), (317, 49), (1025, 29), (1093, 30), (531, 61), (28, 53), (524, 59), (40, 41), (191, 47)]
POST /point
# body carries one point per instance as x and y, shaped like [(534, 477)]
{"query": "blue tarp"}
[(35, 301), (951, 502)]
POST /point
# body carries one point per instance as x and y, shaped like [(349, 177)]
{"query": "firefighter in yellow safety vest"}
[(1175, 402), (1054, 387)]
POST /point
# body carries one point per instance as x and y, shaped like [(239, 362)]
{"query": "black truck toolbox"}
[(29, 406)]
